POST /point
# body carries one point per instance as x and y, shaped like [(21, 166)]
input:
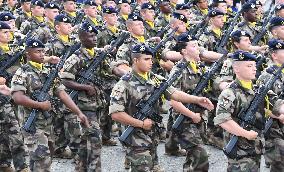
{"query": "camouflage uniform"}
[(45, 33), (209, 39), (150, 32), (125, 95), (162, 21), (98, 24), (106, 36), (10, 138), (29, 79), (29, 26), (274, 143), (198, 14), (21, 18), (75, 19), (189, 135), (89, 154), (122, 23)]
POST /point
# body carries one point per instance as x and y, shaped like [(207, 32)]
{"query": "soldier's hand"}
[(45, 106), (196, 118), (2, 81), (84, 120), (91, 90), (205, 102), (155, 39), (54, 59), (5, 90), (168, 65), (147, 124), (251, 135)]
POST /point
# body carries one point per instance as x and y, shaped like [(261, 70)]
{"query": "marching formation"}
[(75, 73)]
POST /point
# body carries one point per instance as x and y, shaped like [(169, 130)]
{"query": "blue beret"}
[(141, 48), (52, 5), (239, 33), (37, 3), (90, 3), (162, 1), (122, 1), (180, 17), (256, 2), (109, 10), (4, 25), (34, 43), (219, 1), (276, 21), (22, 1), (279, 7), (62, 18), (215, 12), (6, 16), (134, 17), (243, 56), (275, 44), (184, 37), (147, 6), (182, 6), (87, 27), (248, 5)]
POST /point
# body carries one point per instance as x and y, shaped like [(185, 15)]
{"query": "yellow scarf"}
[(39, 18), (217, 32), (173, 4), (246, 84), (144, 75), (72, 14), (151, 24), (141, 39), (125, 17), (99, 8), (205, 11), (91, 52), (29, 14), (38, 66), (252, 24), (187, 24), (5, 48), (193, 66), (50, 23), (279, 65), (113, 29), (225, 18), (64, 38), (230, 10), (11, 35), (167, 17), (94, 20)]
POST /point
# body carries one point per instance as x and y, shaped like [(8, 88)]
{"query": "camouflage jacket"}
[(21, 18), (56, 46), (99, 20), (150, 32), (77, 19), (106, 36), (122, 23), (29, 26), (209, 39), (127, 93), (198, 15), (161, 21), (45, 33)]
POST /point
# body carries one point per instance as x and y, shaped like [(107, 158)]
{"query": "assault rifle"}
[(78, 19), (86, 75), (163, 31), (247, 116), (42, 95), (146, 107), (198, 90)]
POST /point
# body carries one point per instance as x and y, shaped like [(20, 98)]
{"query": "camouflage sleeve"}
[(202, 40), (169, 91), (25, 27), (177, 83), (118, 98), (123, 53), (225, 106), (70, 67), (226, 73), (19, 81), (168, 47)]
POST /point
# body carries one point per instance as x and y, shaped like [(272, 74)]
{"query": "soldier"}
[(24, 13), (90, 97), (11, 5), (164, 16), (29, 78), (279, 12), (189, 134), (70, 9), (147, 12), (238, 95), (184, 9), (200, 9), (276, 27), (124, 10), (274, 142), (125, 96), (90, 9)]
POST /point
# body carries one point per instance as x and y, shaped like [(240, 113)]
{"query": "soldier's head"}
[(244, 65), (216, 18), (250, 12), (188, 46), (62, 25), (12, 3), (90, 8), (276, 48), (110, 16), (110, 3), (165, 6), (135, 25), (124, 7), (141, 56), (220, 5), (259, 11), (277, 27), (88, 35), (5, 33), (37, 8), (201, 4), (148, 12), (8, 18), (178, 20), (69, 6), (34, 50), (241, 40), (184, 9), (279, 10), (51, 10), (279, 2), (26, 5)]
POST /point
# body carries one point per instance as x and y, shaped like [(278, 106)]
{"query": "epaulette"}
[(272, 69), (233, 85), (241, 24), (126, 77)]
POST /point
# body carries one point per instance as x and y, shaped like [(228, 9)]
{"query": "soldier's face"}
[(280, 13), (143, 64), (91, 11), (251, 15), (218, 21), (223, 7), (26, 6), (110, 4), (70, 6), (64, 28), (137, 28), (5, 36), (51, 13), (278, 56), (89, 40), (244, 43), (125, 9), (278, 32), (111, 19), (36, 54), (165, 7), (202, 4), (181, 26), (148, 15), (11, 3), (245, 70), (192, 50), (37, 11)]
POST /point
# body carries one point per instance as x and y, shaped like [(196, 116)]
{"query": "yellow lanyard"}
[(113, 29)]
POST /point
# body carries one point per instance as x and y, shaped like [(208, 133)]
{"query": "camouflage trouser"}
[(275, 154), (40, 159), (67, 131), (249, 164), (171, 142), (140, 160), (88, 157), (11, 140), (106, 125)]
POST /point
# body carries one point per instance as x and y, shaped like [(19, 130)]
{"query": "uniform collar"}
[(35, 65)]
